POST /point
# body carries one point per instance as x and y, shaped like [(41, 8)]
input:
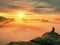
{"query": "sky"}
[(36, 6), (31, 18)]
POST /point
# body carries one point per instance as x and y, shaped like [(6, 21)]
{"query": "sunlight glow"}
[(21, 14)]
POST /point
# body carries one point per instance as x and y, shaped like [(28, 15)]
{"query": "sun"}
[(21, 14)]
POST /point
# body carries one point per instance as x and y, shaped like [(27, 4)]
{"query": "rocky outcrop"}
[(48, 38)]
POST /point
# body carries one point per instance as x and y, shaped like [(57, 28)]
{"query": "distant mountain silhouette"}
[(48, 38), (4, 20)]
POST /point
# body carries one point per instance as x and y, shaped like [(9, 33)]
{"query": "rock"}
[(48, 38)]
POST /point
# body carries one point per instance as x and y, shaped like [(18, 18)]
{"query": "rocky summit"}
[(48, 38)]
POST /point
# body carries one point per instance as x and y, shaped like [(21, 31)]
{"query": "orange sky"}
[(28, 27), (39, 16)]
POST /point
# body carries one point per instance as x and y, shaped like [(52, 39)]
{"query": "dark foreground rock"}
[(49, 38)]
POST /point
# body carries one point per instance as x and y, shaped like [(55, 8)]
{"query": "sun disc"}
[(21, 14)]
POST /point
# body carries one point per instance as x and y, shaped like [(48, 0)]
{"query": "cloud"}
[(37, 20), (55, 4), (4, 21), (45, 21), (57, 20), (37, 6)]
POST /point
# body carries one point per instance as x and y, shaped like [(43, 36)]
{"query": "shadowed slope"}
[(49, 38)]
